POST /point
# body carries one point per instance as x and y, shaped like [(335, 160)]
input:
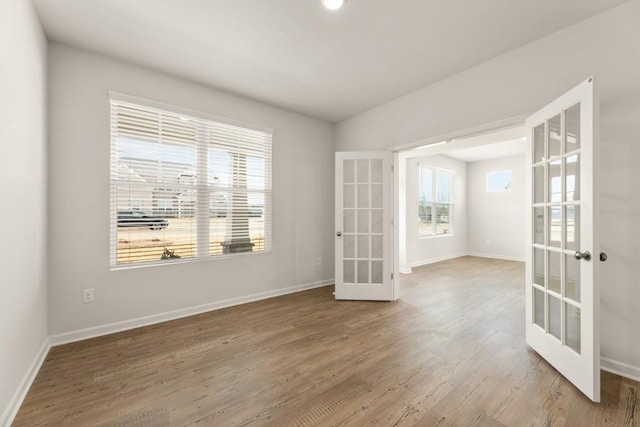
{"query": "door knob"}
[(339, 234), (586, 255), (603, 256)]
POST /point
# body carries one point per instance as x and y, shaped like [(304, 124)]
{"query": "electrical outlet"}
[(318, 261), (87, 295)]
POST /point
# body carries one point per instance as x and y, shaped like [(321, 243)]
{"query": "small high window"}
[(499, 181)]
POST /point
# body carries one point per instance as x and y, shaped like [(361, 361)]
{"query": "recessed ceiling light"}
[(333, 4)]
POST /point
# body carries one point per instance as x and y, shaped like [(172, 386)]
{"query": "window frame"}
[(488, 179), (434, 200), (201, 148)]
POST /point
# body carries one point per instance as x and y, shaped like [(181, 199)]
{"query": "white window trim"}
[(434, 202), (488, 178), (144, 102)]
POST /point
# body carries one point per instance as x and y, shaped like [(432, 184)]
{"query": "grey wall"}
[(424, 250), (496, 220), (23, 285), (303, 158), (521, 82)]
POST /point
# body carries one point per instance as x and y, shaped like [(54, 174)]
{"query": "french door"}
[(562, 297), (364, 227)]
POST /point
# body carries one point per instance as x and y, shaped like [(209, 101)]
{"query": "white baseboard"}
[(124, 325), (434, 260), (405, 270), (12, 409), (503, 257), (619, 368)]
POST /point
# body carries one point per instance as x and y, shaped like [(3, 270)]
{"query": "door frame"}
[(456, 140)]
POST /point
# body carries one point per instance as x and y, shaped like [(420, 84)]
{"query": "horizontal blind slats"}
[(185, 187)]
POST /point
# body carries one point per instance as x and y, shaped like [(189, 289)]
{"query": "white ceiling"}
[(490, 151), (297, 55)]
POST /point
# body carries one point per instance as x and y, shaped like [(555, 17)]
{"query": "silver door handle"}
[(339, 234), (603, 256), (586, 255)]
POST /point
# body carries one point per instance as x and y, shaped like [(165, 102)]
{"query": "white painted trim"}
[(503, 257), (434, 260), (12, 409), (125, 325), (624, 370), (406, 270)]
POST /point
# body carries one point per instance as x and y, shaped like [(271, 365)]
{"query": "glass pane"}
[(363, 246), (376, 195), (443, 187), (363, 271), (572, 278), (555, 259), (555, 319), (349, 271), (363, 170), (349, 196), (538, 221), (573, 327), (538, 184), (425, 185), (376, 246), (349, 246), (572, 184), (363, 221), (572, 127), (376, 221), (538, 266), (538, 143), (555, 226), (555, 148), (555, 181), (349, 220), (443, 218), (348, 171), (425, 219), (376, 170), (363, 195), (376, 271), (538, 307), (572, 230)]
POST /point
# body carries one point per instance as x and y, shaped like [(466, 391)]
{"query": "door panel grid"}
[(555, 177)]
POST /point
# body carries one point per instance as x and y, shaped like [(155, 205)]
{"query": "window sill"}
[(185, 261), (436, 236)]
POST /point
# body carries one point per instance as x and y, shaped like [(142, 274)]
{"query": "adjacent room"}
[(319, 212)]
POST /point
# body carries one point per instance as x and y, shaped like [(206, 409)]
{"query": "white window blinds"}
[(186, 187)]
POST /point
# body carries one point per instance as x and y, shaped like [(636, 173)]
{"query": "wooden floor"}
[(450, 352)]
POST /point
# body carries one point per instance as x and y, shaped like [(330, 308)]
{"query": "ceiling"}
[(297, 55), (490, 151)]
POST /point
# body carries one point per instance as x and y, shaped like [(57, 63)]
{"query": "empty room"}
[(319, 212)]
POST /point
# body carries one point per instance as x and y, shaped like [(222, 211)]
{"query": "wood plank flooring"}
[(450, 352)]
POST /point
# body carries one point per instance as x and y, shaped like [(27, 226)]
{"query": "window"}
[(499, 181), (435, 201), (186, 187)]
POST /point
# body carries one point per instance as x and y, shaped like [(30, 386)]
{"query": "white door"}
[(562, 294), (364, 226)]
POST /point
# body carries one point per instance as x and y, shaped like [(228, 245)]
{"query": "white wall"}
[(522, 81), (425, 250), (23, 285), (496, 220), (303, 164)]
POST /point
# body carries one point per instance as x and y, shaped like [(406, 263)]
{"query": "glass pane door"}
[(364, 232), (556, 227)]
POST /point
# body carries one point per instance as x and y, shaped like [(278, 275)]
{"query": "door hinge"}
[(391, 168), (391, 276)]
